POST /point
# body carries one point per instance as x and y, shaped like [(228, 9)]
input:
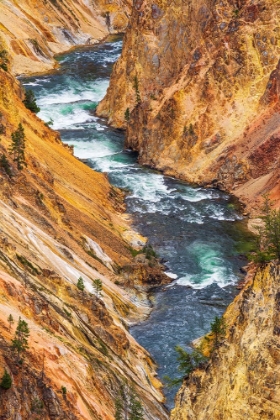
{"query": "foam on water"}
[(190, 228), (212, 267)]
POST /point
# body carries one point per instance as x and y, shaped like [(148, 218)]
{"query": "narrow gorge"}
[(107, 260)]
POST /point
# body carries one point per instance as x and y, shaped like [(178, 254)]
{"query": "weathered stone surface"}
[(242, 378), (208, 79)]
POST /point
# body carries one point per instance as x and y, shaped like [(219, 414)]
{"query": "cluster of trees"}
[(97, 285), (17, 147), (19, 346)]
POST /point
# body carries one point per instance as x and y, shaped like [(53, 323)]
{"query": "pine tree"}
[(80, 284), (127, 115), (20, 342), (6, 381), (10, 320), (4, 163), (97, 284), (269, 234), (187, 363), (17, 148), (30, 101)]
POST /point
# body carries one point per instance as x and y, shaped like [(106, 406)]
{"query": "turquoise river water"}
[(194, 230)]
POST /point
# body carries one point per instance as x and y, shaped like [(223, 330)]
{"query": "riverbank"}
[(192, 229)]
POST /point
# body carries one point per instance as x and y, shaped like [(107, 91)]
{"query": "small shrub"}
[(64, 390), (218, 328), (28, 264), (97, 285), (37, 406), (4, 60)]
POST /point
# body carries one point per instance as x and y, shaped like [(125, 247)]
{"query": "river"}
[(195, 231)]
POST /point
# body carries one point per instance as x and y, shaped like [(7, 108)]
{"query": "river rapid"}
[(195, 231)]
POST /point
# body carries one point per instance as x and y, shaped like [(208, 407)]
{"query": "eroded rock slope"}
[(33, 31), (197, 87), (242, 378), (61, 221)]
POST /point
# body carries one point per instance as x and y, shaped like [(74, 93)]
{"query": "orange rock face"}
[(33, 31), (61, 221), (197, 88)]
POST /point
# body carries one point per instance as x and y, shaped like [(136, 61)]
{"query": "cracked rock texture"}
[(243, 375), (201, 82), (33, 31), (60, 221)]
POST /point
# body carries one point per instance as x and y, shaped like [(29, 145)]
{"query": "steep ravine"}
[(195, 230), (242, 379), (61, 220), (198, 82)]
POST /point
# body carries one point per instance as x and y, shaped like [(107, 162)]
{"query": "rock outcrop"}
[(33, 31), (242, 377), (61, 221), (197, 87)]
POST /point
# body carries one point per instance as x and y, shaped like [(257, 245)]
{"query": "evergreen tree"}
[(30, 101), (218, 328), (268, 234), (6, 381), (80, 284), (187, 363), (10, 320), (127, 115), (20, 341), (17, 148), (4, 163), (97, 285)]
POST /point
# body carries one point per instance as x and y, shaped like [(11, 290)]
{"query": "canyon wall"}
[(33, 31), (242, 377), (61, 221), (197, 88)]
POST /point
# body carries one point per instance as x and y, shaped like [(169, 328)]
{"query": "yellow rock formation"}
[(60, 221), (242, 379), (33, 31), (200, 84)]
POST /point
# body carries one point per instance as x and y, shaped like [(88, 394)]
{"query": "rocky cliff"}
[(197, 87), (33, 31), (61, 221), (242, 377)]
